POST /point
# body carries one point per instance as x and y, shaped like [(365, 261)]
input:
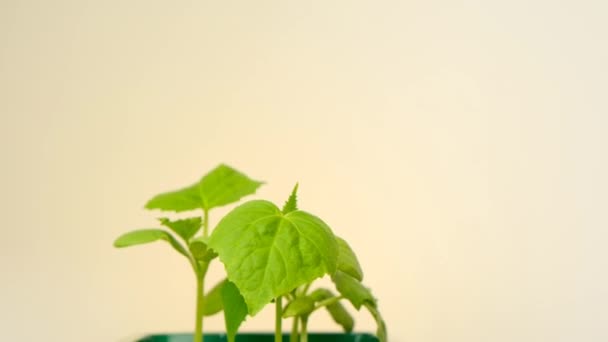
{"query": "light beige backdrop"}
[(460, 146)]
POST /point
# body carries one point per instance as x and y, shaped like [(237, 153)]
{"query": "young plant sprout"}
[(269, 254), (223, 185), (347, 278)]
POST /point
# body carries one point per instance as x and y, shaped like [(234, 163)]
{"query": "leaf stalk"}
[(205, 222), (201, 272), (328, 301), (304, 335), (278, 328), (295, 330)]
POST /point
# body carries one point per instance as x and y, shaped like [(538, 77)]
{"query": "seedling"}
[(347, 279), (271, 254), (223, 185)]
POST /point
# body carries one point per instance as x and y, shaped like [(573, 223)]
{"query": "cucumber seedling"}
[(271, 254), (222, 186)]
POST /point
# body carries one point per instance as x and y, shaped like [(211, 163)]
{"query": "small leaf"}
[(352, 289), (210, 255), (198, 248), (213, 299), (381, 330), (268, 254), (320, 294), (185, 228), (301, 306), (341, 316), (292, 202), (142, 236), (235, 309), (223, 185), (347, 260), (337, 311)]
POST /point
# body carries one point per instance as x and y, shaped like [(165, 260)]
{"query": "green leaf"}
[(199, 249), (213, 299), (339, 314), (301, 306), (223, 185), (352, 289), (185, 228), (235, 309), (336, 310), (142, 236), (347, 260), (267, 253), (381, 330), (320, 294), (292, 202), (185, 199)]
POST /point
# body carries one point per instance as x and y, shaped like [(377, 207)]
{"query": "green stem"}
[(301, 291), (304, 336), (200, 268), (200, 305), (278, 329), (294, 330), (200, 302), (205, 223), (328, 301)]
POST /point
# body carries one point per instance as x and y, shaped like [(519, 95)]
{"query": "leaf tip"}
[(153, 203), (292, 202), (149, 205), (121, 241)]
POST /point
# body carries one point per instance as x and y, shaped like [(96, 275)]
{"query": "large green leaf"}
[(347, 260), (267, 253), (213, 299), (142, 236), (185, 228), (235, 309), (223, 185), (336, 310), (352, 289)]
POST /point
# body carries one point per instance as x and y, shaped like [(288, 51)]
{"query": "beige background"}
[(460, 146)]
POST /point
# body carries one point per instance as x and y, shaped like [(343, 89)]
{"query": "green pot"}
[(262, 337)]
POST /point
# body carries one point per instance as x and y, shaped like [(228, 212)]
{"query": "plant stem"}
[(200, 302), (201, 271), (200, 305), (295, 330), (278, 329), (328, 301), (304, 335), (205, 223), (305, 289)]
